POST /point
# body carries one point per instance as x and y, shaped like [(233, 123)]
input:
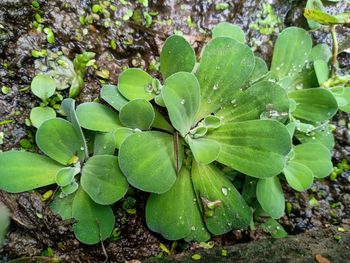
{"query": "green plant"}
[(231, 119)]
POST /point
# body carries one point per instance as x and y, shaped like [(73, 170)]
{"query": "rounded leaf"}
[(138, 113), (94, 222), (43, 86), (97, 117), (225, 29), (204, 150), (135, 83), (112, 96), (65, 176), (270, 196), (58, 140), (177, 55), (147, 160), (102, 179), (298, 176), (38, 115)]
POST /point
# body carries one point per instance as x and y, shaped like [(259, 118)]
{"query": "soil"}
[(34, 228)]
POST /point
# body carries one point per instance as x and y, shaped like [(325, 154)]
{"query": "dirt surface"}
[(34, 228)]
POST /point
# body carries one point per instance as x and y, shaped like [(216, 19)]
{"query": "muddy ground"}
[(35, 231)]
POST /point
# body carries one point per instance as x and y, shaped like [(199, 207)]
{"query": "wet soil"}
[(34, 228)]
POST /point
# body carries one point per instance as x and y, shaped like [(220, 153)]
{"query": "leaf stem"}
[(335, 49)]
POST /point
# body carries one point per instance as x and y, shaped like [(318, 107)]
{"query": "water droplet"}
[(215, 87), (208, 100), (233, 101), (193, 228), (217, 67), (224, 191), (149, 88), (180, 217), (278, 68), (313, 138), (82, 148), (182, 102)]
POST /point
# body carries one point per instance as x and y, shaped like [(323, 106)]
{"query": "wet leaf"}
[(298, 176), (38, 115), (262, 97), (177, 55), (321, 70), (274, 228), (182, 101), (292, 49), (136, 84), (94, 222), (138, 113), (224, 68), (102, 179), (321, 51), (97, 117), (65, 176), (104, 143), (121, 134), (225, 29), (324, 137), (138, 155), (270, 196), (113, 97), (24, 171), (58, 140), (43, 86), (174, 208), (211, 184), (314, 105), (257, 148), (260, 69)]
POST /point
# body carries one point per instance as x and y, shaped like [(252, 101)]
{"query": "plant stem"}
[(335, 49)]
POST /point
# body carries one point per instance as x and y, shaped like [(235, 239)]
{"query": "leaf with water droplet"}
[(204, 150), (104, 143), (135, 83), (113, 97), (233, 212), (225, 29), (138, 113)]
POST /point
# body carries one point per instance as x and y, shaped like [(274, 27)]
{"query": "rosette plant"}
[(101, 183), (177, 136)]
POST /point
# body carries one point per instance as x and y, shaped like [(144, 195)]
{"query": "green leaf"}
[(212, 122), (257, 148), (224, 68), (65, 176), (212, 186), (43, 86), (113, 97), (314, 105), (274, 228), (94, 222), (138, 113), (321, 51), (317, 5), (135, 83), (324, 137), (270, 196), (23, 171), (264, 97), (321, 70), (148, 162), (161, 123), (70, 188), (38, 115), (225, 29), (58, 140), (102, 179), (174, 208), (177, 55), (97, 117), (204, 150), (326, 19), (316, 157), (121, 134), (298, 176), (260, 69), (182, 101), (63, 206), (291, 50), (68, 106), (4, 222), (342, 95), (104, 143)]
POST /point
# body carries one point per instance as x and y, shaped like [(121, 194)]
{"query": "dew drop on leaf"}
[(182, 102), (224, 190)]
